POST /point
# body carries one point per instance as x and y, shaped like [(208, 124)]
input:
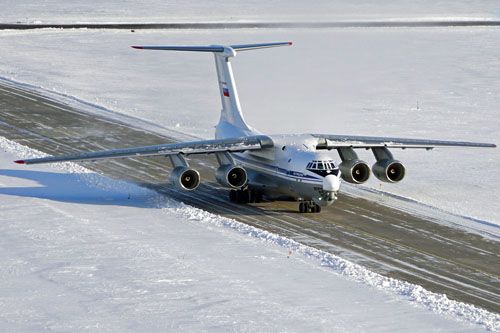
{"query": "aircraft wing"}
[(328, 141), (186, 148)]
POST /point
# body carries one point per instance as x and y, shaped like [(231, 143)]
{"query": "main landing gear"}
[(245, 196), (309, 207)]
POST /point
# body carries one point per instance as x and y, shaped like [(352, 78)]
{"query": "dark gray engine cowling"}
[(230, 175), (185, 178), (389, 171), (354, 171)]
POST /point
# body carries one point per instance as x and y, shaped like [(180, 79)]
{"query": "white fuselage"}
[(288, 170)]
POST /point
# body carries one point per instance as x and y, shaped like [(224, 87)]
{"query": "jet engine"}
[(185, 178), (389, 171), (354, 171), (230, 175)]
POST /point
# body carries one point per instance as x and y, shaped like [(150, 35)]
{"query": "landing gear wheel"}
[(302, 208), (232, 195), (240, 196), (317, 208), (245, 196), (309, 207), (251, 196)]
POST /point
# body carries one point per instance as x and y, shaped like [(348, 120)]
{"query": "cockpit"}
[(323, 167)]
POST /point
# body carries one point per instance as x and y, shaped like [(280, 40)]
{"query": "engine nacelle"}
[(354, 171), (230, 175), (185, 178), (390, 171)]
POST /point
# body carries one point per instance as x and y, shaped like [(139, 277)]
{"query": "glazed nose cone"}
[(331, 183)]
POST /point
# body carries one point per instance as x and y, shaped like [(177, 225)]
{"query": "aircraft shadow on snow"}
[(71, 188)]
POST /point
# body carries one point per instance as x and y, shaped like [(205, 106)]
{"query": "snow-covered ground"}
[(438, 83), (80, 252), (50, 11)]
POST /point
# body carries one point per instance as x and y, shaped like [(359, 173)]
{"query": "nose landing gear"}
[(309, 207)]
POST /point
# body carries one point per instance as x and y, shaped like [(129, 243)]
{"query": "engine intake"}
[(185, 178), (389, 171), (354, 171), (230, 175)]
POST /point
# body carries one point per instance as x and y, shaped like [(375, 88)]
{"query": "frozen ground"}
[(438, 83), (28, 11), (82, 252), (78, 254)]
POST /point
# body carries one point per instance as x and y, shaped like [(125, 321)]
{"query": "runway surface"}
[(443, 259)]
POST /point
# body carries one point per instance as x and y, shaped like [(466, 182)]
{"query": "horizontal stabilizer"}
[(213, 48), (245, 47)]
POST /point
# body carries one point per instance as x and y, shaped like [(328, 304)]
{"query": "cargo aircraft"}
[(255, 165)]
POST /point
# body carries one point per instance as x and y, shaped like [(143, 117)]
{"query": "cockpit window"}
[(325, 167)]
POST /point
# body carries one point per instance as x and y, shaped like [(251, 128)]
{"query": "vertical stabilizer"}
[(231, 123)]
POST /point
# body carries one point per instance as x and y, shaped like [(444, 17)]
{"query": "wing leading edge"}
[(186, 148), (328, 141)]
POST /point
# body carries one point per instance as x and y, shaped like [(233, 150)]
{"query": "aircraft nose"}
[(331, 183)]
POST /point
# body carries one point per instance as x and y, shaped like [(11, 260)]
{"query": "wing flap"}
[(186, 148)]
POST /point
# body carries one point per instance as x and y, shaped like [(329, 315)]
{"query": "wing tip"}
[(20, 162), (137, 47), (290, 43)]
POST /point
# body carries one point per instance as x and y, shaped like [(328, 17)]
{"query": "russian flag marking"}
[(225, 92)]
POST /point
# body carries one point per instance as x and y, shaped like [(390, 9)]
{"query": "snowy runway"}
[(388, 241), (72, 263), (83, 252)]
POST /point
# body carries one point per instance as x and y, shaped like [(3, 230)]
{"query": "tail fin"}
[(231, 123)]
